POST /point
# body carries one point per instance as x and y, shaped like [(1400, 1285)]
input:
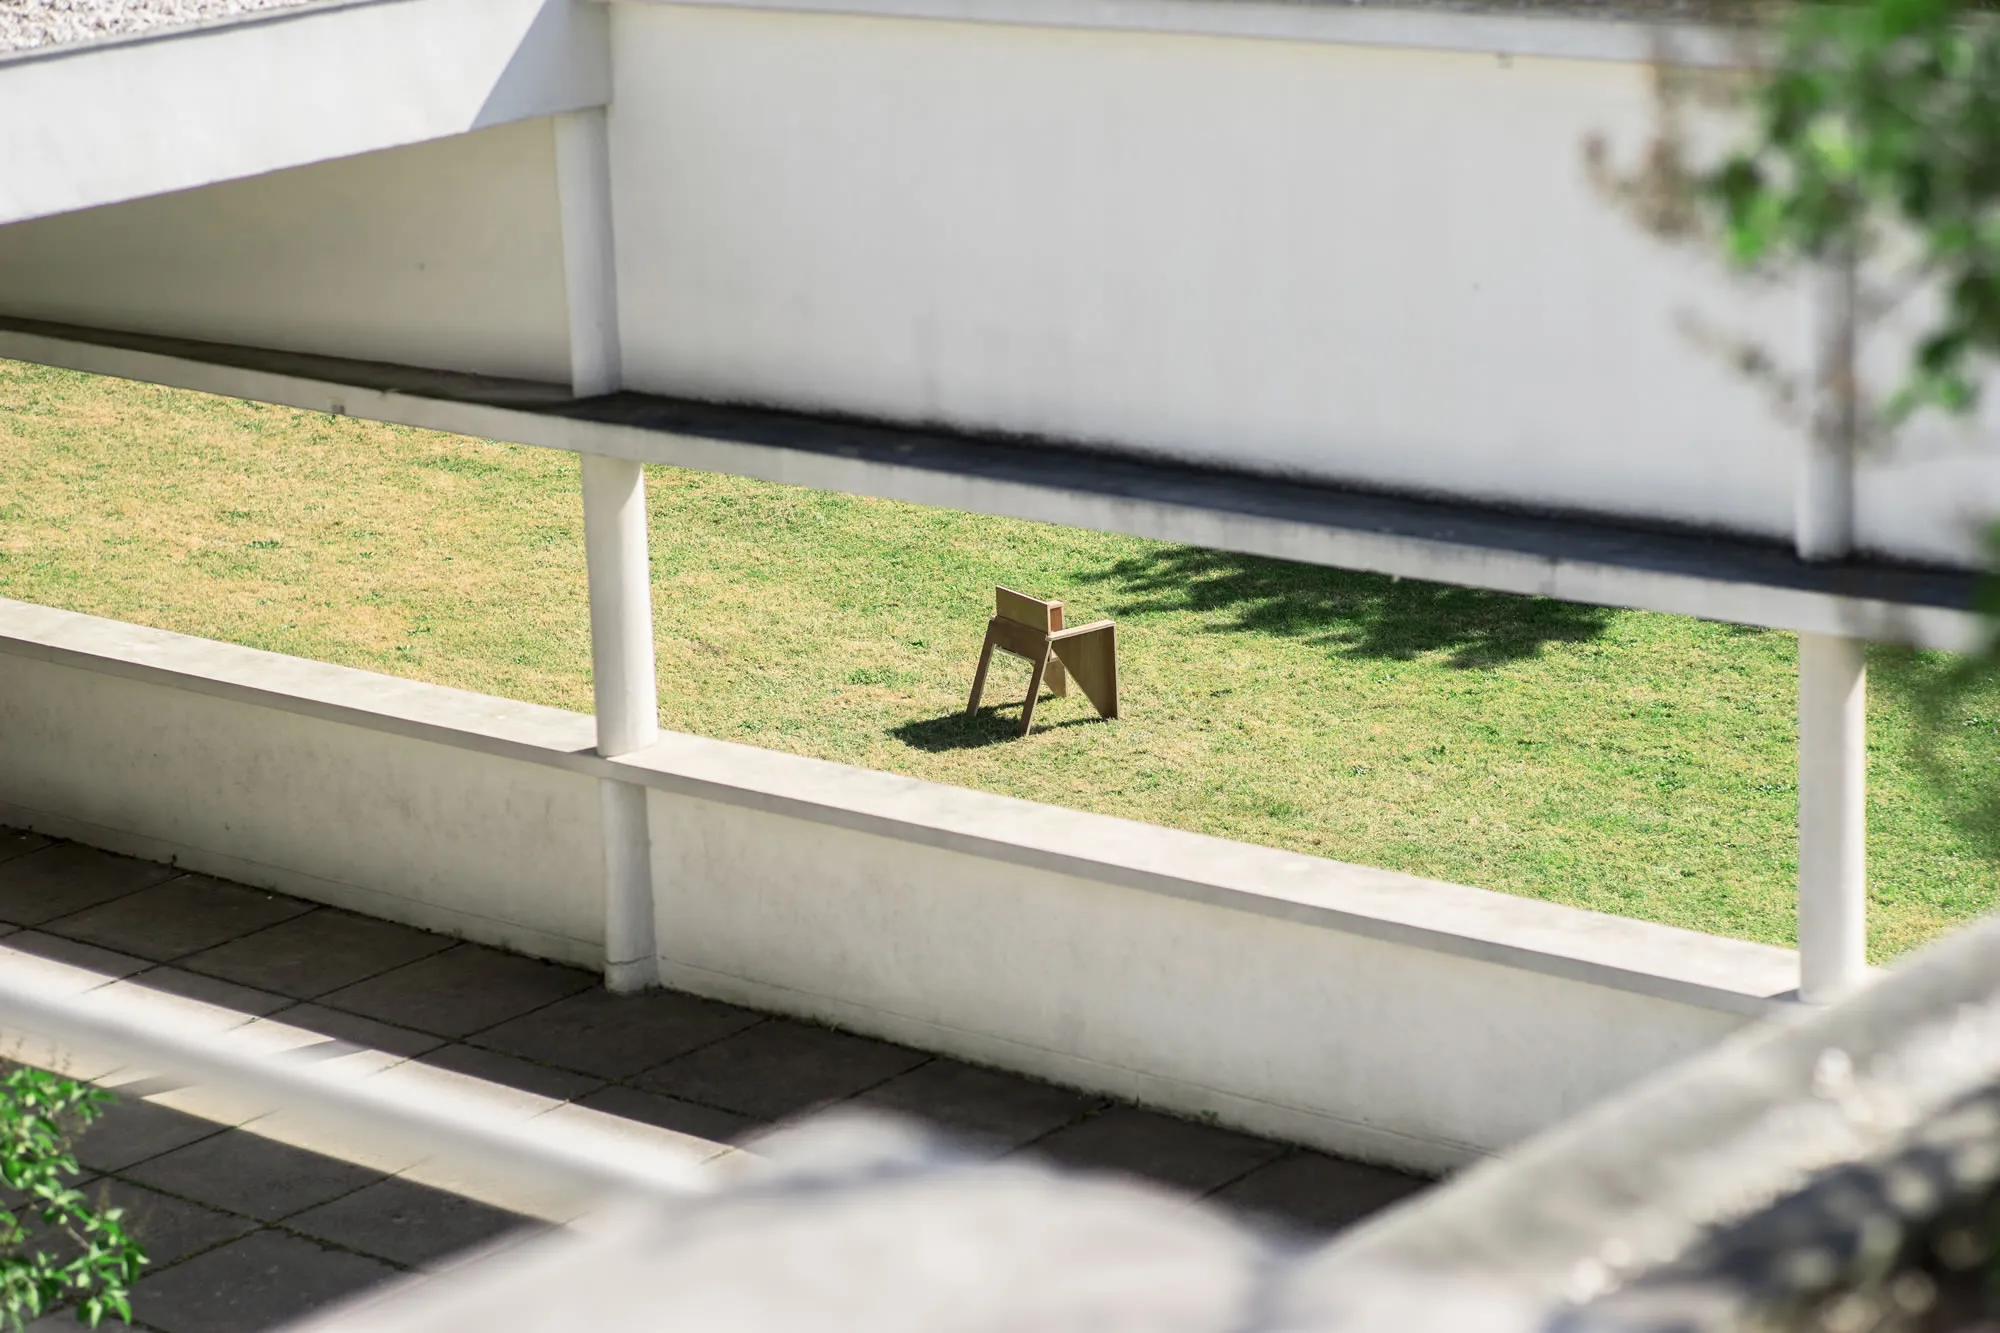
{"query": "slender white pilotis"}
[(1833, 822), (1833, 674), (621, 607), (614, 535)]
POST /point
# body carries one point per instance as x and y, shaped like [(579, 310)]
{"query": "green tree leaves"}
[(1880, 118), (56, 1249)]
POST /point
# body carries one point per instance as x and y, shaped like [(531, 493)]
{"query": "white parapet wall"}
[(1355, 1009)]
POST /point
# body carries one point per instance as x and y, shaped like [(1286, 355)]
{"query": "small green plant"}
[(55, 1247)]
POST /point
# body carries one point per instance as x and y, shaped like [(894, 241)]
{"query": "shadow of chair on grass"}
[(992, 725), (1358, 615)]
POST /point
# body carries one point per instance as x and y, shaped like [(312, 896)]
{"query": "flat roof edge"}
[(1626, 35)]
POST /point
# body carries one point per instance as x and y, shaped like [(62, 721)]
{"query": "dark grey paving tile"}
[(461, 991), (67, 877), (1312, 1192), (359, 1031), (617, 1036), (312, 954), (76, 954), (704, 1122), (168, 1229), (406, 1223), (212, 990), (243, 1173), (265, 1279), (526, 1075), (780, 1068), (1181, 1154), (132, 1131), (19, 842), (981, 1107), (179, 917)]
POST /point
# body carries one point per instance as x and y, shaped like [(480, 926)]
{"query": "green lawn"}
[(1629, 762)]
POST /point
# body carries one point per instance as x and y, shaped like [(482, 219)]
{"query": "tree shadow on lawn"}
[(1362, 615), (995, 724), (1955, 705)]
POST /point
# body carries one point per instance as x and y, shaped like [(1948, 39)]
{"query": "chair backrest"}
[(1031, 611)]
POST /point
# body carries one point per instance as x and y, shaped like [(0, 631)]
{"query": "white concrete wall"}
[(445, 254), (1318, 1035), (1360, 1010), (1359, 263)]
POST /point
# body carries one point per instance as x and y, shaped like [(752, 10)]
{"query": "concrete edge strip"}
[(1395, 555), (1660, 961)]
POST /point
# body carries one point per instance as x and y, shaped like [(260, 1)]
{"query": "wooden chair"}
[(1031, 628)]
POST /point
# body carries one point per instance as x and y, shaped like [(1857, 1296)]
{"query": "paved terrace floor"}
[(246, 1233)]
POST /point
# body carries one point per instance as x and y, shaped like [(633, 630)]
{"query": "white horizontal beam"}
[(1433, 560), (112, 121), (434, 1123)]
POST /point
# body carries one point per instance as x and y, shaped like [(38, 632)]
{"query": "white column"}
[(614, 539), (621, 604), (1833, 829), (627, 704), (630, 951), (590, 264)]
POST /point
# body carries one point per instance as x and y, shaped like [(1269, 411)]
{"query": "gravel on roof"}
[(29, 24)]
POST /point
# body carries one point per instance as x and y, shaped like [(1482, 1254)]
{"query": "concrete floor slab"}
[(317, 952), (64, 877), (547, 1081), (170, 1229), (780, 1068), (265, 1279), (1179, 1153), (74, 953), (683, 1117), (134, 1131), (461, 990), (177, 918), (617, 1036), (19, 842), (362, 1033), (257, 1177), (980, 1108), (1314, 1193), (405, 1223)]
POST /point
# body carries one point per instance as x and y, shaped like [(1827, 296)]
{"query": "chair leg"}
[(1035, 687), (979, 676)]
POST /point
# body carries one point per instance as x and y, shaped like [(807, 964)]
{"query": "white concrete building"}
[(1310, 281)]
